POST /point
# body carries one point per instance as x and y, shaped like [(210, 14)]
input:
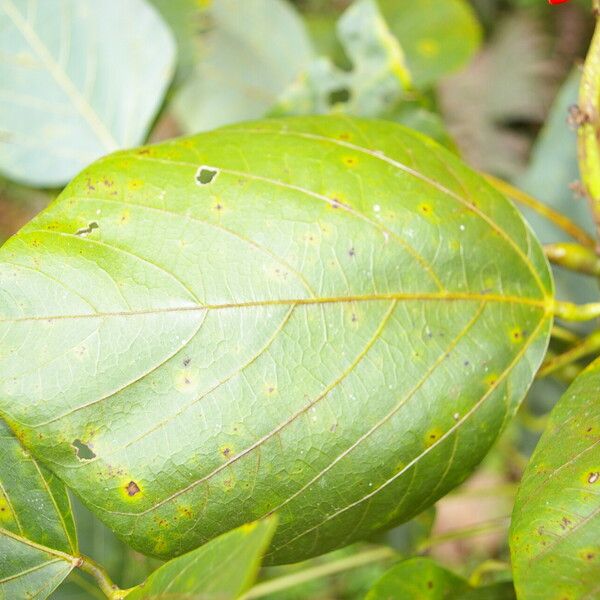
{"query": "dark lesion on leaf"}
[(132, 488), (87, 230), (83, 451)]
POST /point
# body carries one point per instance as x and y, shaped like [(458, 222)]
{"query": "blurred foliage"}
[(490, 79)]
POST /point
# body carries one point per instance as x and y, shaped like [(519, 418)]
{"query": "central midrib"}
[(545, 304)]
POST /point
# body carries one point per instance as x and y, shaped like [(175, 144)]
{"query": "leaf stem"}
[(345, 564), (564, 335), (91, 567), (589, 345), (588, 120), (560, 220), (574, 257), (576, 312)]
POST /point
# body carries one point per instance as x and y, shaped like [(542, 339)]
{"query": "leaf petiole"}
[(110, 589), (574, 257), (576, 312), (589, 345), (559, 219)]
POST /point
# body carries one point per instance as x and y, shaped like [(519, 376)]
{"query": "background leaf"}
[(220, 570), (373, 85), (554, 532), (77, 84), (424, 579), (252, 51), (37, 532), (436, 37), (187, 21), (310, 316)]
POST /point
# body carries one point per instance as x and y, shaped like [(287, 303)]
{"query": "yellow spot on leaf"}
[(433, 435), (6, 514), (186, 380), (428, 47), (516, 335), (135, 184), (491, 379)]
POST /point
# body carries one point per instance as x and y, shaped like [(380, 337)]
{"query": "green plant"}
[(271, 340)]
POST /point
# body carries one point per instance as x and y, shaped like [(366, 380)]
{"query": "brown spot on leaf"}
[(132, 488)]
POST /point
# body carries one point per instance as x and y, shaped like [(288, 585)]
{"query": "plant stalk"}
[(345, 564), (574, 257), (92, 568), (561, 221), (589, 345), (576, 312), (588, 121)]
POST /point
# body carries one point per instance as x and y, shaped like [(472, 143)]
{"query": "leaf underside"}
[(76, 83), (37, 531), (554, 532), (328, 318)]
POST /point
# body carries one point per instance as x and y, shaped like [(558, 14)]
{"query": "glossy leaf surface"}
[(219, 570), (323, 317), (77, 83), (554, 532), (37, 532)]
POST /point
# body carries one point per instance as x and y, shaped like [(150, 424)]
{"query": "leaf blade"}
[(60, 107), (223, 568), (552, 534), (37, 531), (334, 253)]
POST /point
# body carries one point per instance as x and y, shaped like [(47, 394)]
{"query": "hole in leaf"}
[(84, 452), (206, 175), (87, 230), (339, 96)]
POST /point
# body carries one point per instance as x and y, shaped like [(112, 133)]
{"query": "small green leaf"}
[(327, 318), (418, 578), (219, 570), (80, 79), (437, 37), (37, 532), (252, 51), (424, 579), (554, 532)]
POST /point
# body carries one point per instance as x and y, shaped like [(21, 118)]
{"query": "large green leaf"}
[(437, 37), (424, 579), (220, 570), (253, 49), (79, 79), (556, 519), (37, 533), (323, 317)]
